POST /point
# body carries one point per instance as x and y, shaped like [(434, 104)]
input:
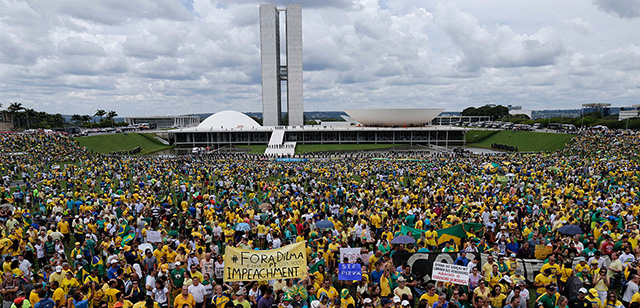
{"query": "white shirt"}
[(150, 281), (198, 292), (160, 296), (25, 266), (632, 288), (276, 243)]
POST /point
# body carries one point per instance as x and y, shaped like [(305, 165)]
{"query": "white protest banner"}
[(450, 273), (154, 237), (352, 254), (365, 257)]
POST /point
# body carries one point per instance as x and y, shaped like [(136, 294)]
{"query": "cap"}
[(58, 269), (396, 299), (240, 292), (114, 261), (405, 303), (344, 293), (315, 304), (593, 292), (401, 279), (79, 257), (582, 290), (507, 279), (367, 301), (513, 255)]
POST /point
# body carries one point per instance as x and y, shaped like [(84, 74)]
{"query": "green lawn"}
[(258, 149), (478, 135), (118, 142), (307, 148), (524, 141)]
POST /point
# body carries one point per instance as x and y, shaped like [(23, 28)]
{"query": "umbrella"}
[(265, 206), (144, 247), (324, 224), (554, 168), (570, 230), (510, 175), (403, 239), (7, 205), (243, 227)]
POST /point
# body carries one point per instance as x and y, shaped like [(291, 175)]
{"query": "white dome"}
[(228, 119)]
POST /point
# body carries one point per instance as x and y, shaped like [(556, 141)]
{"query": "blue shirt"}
[(375, 276), (45, 303), (464, 260), (444, 305), (112, 273), (80, 304)]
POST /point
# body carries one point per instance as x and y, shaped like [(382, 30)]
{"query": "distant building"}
[(603, 108), (6, 121), (528, 113), (165, 121), (629, 112)]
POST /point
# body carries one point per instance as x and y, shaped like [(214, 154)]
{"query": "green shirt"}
[(177, 276), (547, 301)]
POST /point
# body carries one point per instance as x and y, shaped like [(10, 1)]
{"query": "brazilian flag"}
[(458, 232), (128, 238), (124, 230), (83, 274), (96, 262)]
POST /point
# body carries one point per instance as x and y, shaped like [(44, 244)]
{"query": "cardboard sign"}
[(352, 254), (154, 237), (450, 273), (349, 271), (542, 251), (252, 265)]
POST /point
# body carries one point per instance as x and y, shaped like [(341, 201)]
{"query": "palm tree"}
[(76, 118), (14, 109), (30, 115), (110, 115), (86, 119), (99, 113)]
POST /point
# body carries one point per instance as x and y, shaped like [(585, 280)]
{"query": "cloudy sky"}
[(157, 57)]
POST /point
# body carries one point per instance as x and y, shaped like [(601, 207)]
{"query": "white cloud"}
[(621, 8), (180, 56)]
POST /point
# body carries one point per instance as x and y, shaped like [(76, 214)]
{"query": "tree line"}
[(29, 118)]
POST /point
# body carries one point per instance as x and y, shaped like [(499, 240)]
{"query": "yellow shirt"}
[(68, 283), (63, 226), (58, 297), (430, 299), (385, 287), (331, 292), (542, 280), (33, 297), (110, 295)]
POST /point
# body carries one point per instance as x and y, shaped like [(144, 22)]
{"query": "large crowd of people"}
[(73, 223)]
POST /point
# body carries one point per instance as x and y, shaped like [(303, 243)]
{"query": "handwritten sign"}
[(349, 271), (154, 237), (252, 265), (450, 273), (352, 254), (542, 251)]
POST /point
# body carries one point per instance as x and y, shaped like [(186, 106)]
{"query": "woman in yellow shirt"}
[(496, 297)]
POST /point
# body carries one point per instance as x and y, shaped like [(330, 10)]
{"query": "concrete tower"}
[(273, 73)]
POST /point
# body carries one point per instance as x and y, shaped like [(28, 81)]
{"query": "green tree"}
[(99, 113), (76, 118), (15, 108)]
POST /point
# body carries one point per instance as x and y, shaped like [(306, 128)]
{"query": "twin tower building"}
[(276, 70)]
